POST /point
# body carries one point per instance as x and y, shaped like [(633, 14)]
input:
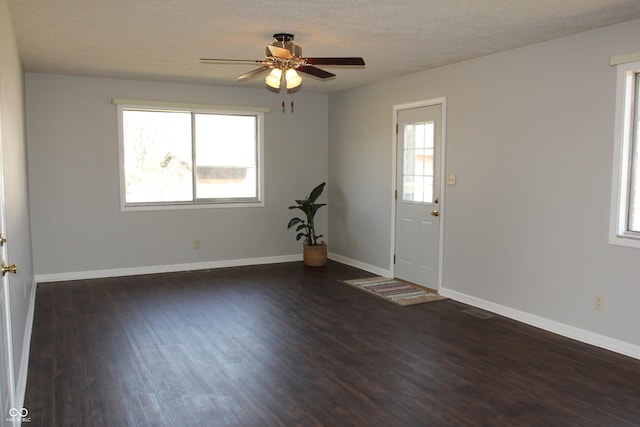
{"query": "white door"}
[(417, 228), (9, 416)]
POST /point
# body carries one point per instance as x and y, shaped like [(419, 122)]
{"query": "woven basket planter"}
[(315, 256)]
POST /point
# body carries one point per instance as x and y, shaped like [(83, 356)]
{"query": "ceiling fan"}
[(284, 60)]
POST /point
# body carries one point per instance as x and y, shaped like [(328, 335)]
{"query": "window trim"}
[(128, 104), (619, 234)]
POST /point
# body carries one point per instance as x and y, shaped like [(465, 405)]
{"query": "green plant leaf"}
[(316, 192), (294, 221)]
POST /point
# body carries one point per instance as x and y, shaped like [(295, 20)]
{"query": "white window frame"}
[(258, 112), (627, 73)]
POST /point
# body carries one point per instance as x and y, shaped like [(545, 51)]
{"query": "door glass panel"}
[(418, 167)]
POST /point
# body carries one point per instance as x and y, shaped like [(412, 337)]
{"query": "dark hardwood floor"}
[(285, 345)]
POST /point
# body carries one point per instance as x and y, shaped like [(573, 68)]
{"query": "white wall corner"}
[(361, 265)]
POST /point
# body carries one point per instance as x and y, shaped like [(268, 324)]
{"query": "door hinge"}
[(395, 195), (397, 128), (394, 259)]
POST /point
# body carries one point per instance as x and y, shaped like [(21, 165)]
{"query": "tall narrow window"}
[(634, 182), (625, 206), (183, 157)]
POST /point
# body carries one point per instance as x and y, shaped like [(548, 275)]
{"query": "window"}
[(625, 207), (172, 157)]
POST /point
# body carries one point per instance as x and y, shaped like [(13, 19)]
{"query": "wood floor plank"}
[(287, 345)]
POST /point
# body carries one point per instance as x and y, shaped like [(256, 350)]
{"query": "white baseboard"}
[(153, 269), (361, 265), (568, 331), (21, 381)]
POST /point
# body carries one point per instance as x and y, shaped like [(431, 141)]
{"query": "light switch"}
[(451, 179)]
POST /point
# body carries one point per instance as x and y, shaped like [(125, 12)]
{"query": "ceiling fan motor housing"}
[(285, 41)]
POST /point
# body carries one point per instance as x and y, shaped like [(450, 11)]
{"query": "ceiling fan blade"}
[(315, 71), (254, 73), (335, 61), (231, 61), (279, 52)]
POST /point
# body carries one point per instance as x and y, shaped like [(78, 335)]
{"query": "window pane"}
[(634, 185), (226, 156), (409, 165), (408, 188), (424, 134), (427, 162), (157, 156)]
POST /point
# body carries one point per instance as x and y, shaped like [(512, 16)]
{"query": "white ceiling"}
[(164, 39)]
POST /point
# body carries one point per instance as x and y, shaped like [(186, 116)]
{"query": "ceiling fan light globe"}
[(293, 79), (273, 78)]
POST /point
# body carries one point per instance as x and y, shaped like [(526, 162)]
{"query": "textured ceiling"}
[(163, 39)]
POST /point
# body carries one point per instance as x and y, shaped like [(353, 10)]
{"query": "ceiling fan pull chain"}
[(283, 109), (292, 103)]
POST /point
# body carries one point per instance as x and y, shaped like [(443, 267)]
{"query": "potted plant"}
[(314, 251)]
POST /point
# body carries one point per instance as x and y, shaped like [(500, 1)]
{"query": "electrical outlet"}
[(598, 303), (196, 244)]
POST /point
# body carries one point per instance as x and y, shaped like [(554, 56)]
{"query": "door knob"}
[(9, 268), (435, 213)]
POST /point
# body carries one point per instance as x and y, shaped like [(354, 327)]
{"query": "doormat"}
[(395, 290)]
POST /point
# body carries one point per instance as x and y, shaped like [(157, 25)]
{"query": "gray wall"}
[(74, 183), (530, 136), (14, 170)]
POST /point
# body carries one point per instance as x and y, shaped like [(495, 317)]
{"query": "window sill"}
[(625, 240), (137, 208)]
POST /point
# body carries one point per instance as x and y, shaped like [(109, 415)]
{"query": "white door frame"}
[(394, 166), (5, 334)]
